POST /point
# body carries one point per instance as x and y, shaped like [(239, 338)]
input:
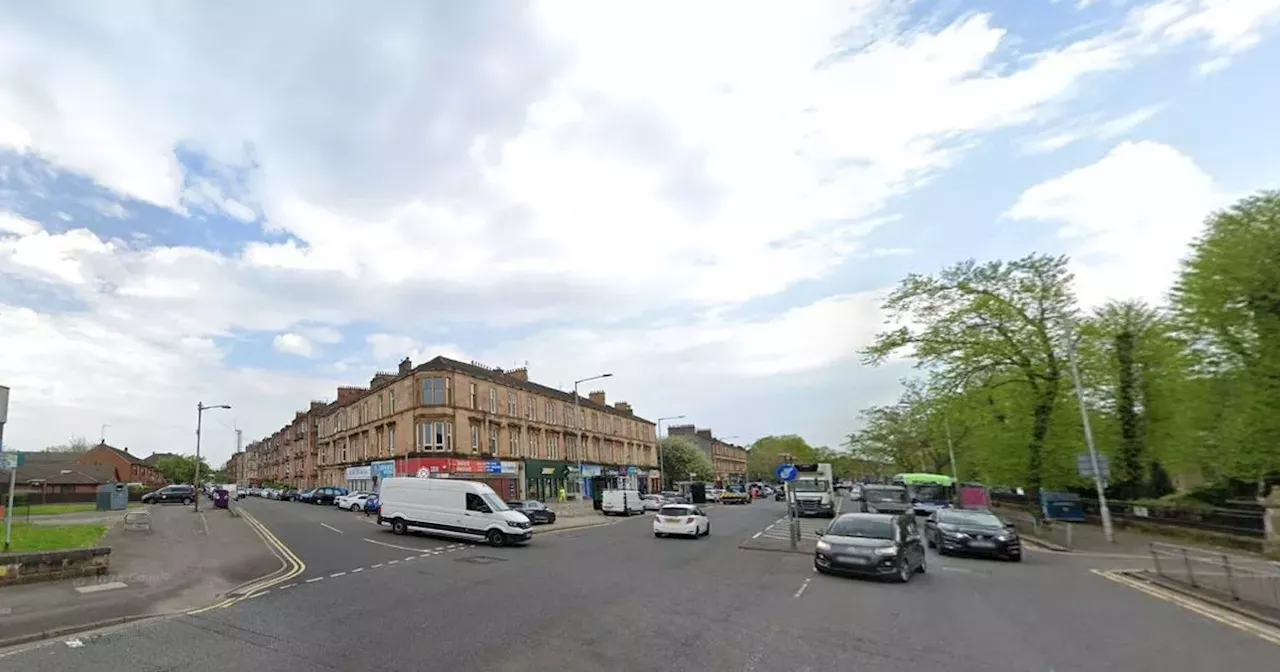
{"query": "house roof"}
[(128, 457), (49, 457), (64, 474), (441, 363), (153, 458)]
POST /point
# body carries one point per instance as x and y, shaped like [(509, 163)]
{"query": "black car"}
[(957, 531), (535, 511), (325, 495), (171, 494), (885, 499), (871, 544)]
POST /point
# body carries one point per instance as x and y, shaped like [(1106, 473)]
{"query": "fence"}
[(1245, 521), (22, 500), (1248, 581), (1054, 531)]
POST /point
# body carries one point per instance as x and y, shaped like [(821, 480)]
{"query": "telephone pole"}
[(239, 436)]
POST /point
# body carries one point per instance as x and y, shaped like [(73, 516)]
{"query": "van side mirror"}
[(818, 533)]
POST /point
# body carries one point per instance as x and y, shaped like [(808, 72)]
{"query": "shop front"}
[(382, 470), (501, 475), (589, 471), (544, 480), (359, 478), (655, 481)]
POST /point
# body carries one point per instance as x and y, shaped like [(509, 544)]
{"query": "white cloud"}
[(293, 344), (1094, 129), (1127, 218)]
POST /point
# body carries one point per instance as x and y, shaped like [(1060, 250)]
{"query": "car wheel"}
[(659, 535), (923, 565), (186, 500), (904, 571), (1015, 558), (495, 538), (354, 508), (819, 568), (928, 541), (399, 526), (708, 529)]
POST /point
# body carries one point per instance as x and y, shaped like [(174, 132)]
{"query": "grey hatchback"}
[(871, 544)]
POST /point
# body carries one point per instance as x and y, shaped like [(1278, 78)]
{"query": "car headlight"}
[(823, 546), (887, 550), (1006, 536)]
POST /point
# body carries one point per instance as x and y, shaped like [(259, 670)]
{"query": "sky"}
[(243, 203)]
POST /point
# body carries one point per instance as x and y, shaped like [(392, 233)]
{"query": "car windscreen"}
[(978, 518), (870, 528), (675, 511), (896, 495), (812, 485), (494, 502), (928, 492)]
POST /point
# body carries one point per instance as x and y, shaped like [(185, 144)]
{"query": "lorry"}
[(815, 494)]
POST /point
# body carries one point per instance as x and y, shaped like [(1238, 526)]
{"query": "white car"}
[(652, 502), (685, 520), (353, 501)]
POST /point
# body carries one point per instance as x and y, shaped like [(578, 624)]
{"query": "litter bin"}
[(221, 498)]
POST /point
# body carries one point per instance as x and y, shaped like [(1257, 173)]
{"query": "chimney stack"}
[(406, 365), (624, 407), (521, 373), (597, 397)]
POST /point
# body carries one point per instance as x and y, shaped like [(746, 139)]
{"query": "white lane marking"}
[(756, 535), (426, 555), (74, 643), (318, 578), (287, 585), (377, 565), (402, 548), (957, 569), (357, 569), (331, 527), (1222, 616), (803, 586), (255, 595), (98, 588), (392, 562), (337, 574)]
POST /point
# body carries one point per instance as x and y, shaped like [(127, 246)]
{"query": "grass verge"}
[(29, 538)]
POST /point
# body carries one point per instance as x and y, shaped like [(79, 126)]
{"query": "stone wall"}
[(18, 568)]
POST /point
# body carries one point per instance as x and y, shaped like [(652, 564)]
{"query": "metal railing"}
[(1240, 579), (1058, 532)]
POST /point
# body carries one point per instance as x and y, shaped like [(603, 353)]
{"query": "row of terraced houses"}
[(446, 418)]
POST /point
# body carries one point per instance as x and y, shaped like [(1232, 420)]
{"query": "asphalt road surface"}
[(616, 598)]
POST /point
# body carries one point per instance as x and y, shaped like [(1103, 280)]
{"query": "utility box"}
[(113, 497)]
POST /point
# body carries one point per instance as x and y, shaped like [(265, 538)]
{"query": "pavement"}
[(187, 560), (614, 597)]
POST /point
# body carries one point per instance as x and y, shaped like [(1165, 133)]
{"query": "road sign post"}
[(787, 473), (12, 465)]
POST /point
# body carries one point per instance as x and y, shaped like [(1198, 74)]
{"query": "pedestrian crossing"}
[(781, 529)]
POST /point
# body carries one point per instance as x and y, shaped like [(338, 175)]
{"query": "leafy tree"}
[(995, 322), (767, 453), (182, 468), (76, 444), (1227, 298), (681, 456)]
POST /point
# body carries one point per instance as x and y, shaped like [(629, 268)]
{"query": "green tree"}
[(681, 456), (182, 468), (994, 322), (1227, 298), (767, 453)]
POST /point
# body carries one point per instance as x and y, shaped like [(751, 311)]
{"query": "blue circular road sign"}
[(786, 472)]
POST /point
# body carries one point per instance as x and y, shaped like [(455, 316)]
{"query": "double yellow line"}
[(1222, 616), (291, 567)]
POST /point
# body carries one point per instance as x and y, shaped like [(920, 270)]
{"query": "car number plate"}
[(855, 559), (982, 544), (672, 521)]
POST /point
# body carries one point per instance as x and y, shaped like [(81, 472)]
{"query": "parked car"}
[(171, 494), (682, 520), (326, 495), (535, 511), (871, 544), (353, 501), (652, 502), (372, 506), (305, 496), (958, 531)]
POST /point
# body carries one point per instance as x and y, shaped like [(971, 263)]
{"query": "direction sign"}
[(786, 472), (1084, 466)]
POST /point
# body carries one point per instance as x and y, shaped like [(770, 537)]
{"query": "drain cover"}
[(481, 559)]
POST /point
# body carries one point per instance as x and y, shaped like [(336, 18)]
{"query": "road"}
[(614, 597)]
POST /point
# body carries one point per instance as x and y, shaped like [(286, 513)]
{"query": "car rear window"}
[(675, 511)]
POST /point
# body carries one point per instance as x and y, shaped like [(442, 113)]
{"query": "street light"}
[(577, 421), (662, 476), (200, 409)]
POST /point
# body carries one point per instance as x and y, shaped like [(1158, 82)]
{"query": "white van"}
[(622, 502), (452, 507)]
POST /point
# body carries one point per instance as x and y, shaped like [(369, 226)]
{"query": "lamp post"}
[(662, 475), (577, 421), (200, 409)]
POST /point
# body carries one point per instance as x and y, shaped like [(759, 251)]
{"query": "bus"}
[(929, 492)]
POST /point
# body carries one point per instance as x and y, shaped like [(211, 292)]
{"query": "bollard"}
[(1155, 558), (1191, 576), (1069, 527)]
